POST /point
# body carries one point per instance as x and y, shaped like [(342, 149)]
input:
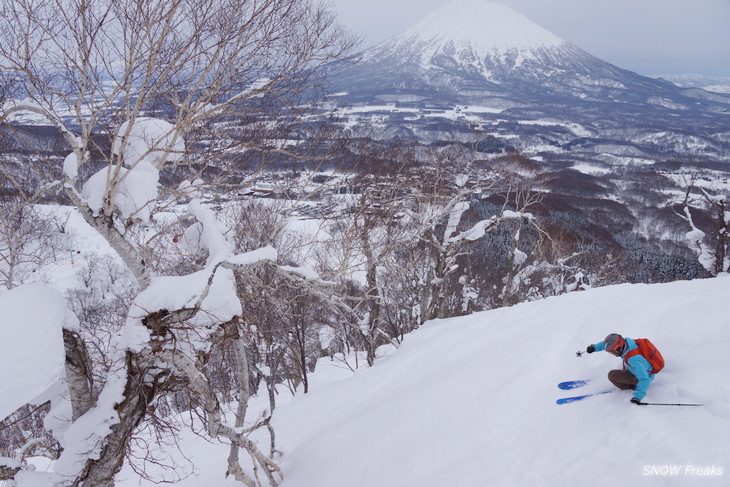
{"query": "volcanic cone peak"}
[(471, 30)]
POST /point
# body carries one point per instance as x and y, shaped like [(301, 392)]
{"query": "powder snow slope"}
[(471, 401)]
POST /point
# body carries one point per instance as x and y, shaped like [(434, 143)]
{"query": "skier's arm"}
[(599, 347), (640, 367)]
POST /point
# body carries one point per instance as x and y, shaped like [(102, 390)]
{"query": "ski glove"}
[(636, 401), (590, 349)]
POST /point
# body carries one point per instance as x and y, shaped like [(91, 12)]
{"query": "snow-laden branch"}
[(305, 272), (455, 218), (132, 192), (696, 237), (148, 139), (9, 467), (212, 233), (483, 227), (104, 224)]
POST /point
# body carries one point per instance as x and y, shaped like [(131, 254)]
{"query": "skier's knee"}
[(614, 377)]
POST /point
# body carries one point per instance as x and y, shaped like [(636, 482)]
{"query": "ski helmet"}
[(615, 344)]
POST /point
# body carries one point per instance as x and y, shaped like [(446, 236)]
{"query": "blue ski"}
[(567, 400), (573, 384)]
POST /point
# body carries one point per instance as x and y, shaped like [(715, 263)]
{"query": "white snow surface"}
[(135, 194), (71, 166), (149, 139), (32, 356), (150, 143), (485, 26), (471, 401)]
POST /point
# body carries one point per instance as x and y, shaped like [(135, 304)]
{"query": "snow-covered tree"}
[(149, 96), (405, 234), (702, 193), (442, 201), (28, 239), (366, 230)]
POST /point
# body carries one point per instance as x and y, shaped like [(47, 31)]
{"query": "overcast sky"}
[(647, 36)]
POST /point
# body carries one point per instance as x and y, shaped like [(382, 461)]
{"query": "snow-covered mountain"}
[(481, 63), (472, 43), (708, 83), (471, 33)]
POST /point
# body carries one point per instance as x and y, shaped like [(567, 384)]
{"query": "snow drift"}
[(31, 350)]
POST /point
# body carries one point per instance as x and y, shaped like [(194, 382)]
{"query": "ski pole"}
[(666, 404), (579, 353)]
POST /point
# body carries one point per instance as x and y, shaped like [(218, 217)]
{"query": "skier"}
[(642, 361)]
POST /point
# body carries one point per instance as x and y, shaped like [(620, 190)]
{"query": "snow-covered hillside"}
[(714, 84), (471, 401)]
